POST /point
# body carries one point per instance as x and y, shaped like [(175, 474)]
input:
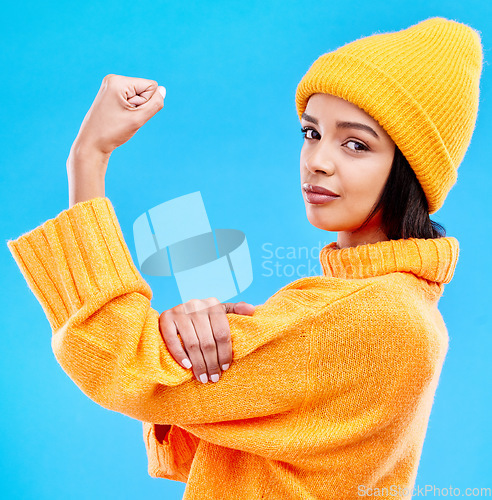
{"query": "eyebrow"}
[(356, 125)]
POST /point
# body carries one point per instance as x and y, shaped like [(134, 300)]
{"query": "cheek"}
[(357, 182), (365, 181)]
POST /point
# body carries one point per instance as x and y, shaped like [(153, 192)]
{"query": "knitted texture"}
[(420, 84), (332, 379)]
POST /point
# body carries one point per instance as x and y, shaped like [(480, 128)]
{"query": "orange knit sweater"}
[(332, 380)]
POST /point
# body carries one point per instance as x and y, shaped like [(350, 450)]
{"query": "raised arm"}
[(122, 105)]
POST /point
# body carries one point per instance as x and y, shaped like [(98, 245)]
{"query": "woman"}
[(331, 380)]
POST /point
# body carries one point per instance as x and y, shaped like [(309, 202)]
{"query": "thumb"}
[(239, 308), (154, 104)]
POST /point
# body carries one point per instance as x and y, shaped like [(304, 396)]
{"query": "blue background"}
[(228, 129)]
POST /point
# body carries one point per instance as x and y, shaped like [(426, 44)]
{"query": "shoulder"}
[(389, 292), (388, 308), (382, 324)]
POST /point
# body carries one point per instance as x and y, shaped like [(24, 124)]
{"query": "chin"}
[(322, 223), (330, 222)]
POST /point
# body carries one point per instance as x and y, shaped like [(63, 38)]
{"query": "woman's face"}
[(352, 162)]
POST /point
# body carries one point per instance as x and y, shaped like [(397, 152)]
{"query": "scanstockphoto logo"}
[(291, 261), (431, 490), (176, 239)]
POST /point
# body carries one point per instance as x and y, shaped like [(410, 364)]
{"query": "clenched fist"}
[(122, 105)]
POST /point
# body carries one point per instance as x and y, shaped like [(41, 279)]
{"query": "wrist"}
[(86, 171), (87, 157)]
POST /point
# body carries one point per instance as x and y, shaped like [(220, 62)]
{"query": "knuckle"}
[(179, 310), (190, 306), (165, 317), (208, 346), (110, 79), (192, 346), (222, 335), (201, 306)]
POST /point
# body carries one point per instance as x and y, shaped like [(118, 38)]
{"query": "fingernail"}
[(162, 91), (204, 378), (187, 363), (214, 377), (224, 367)]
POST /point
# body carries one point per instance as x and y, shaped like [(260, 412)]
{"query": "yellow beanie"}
[(421, 84)]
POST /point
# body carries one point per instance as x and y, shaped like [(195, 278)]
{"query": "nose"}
[(319, 161)]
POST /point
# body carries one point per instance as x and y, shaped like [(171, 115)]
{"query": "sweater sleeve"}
[(170, 451), (106, 337)]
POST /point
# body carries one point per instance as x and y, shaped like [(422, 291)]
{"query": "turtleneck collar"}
[(432, 259)]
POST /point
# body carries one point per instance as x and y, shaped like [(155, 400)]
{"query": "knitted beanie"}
[(421, 84)]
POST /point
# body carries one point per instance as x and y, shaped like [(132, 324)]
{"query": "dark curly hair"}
[(403, 205)]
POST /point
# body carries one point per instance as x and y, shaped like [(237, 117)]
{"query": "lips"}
[(318, 189)]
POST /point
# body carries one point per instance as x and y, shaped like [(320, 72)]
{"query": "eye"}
[(363, 146), (305, 130)]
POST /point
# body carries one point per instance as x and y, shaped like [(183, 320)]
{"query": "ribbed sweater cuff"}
[(78, 255), (171, 457)]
